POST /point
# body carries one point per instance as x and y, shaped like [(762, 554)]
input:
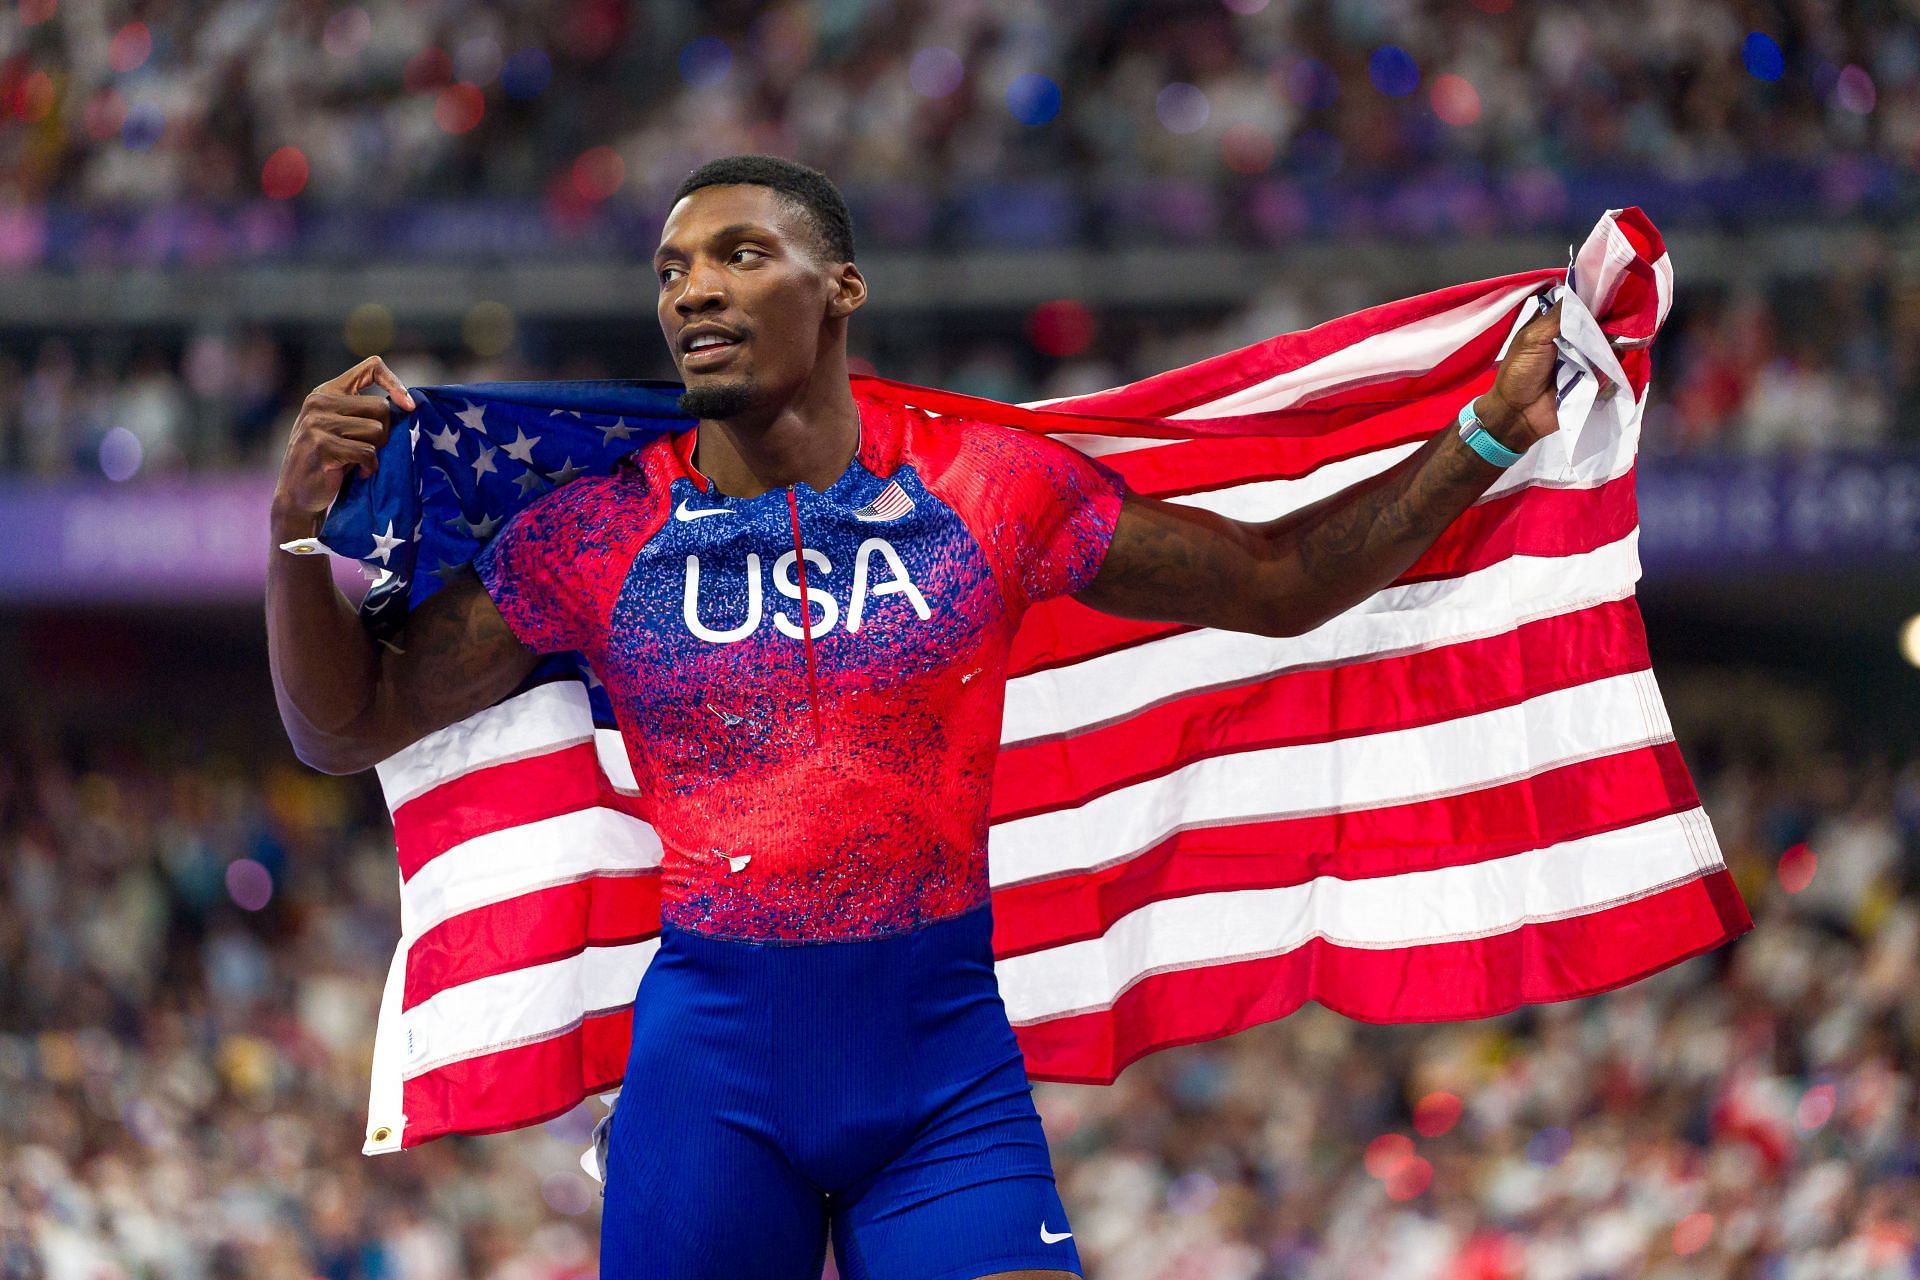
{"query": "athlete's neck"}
[(810, 439)]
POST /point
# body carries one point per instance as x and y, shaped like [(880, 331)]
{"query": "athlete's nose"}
[(705, 290)]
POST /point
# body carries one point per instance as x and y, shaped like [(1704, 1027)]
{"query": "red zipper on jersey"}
[(806, 613)]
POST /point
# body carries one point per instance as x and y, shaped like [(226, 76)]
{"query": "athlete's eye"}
[(669, 274), (744, 254)]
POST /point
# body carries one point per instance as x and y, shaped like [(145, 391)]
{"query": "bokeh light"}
[(526, 74), (284, 175), (935, 72), (369, 329), (428, 69), (1456, 101), (1393, 71), (130, 48), (705, 61), (459, 107), (1247, 149), (1797, 867), (346, 33), (1033, 99), (1182, 107), (34, 97), (567, 1192), (1386, 1155), (249, 884), (478, 59), (120, 455), (1410, 1180), (1437, 1113), (598, 173), (487, 328), (1815, 1108), (1311, 84), (1854, 91), (1549, 1146), (1691, 1233), (1910, 640), (1762, 56), (1060, 328), (142, 127), (105, 112), (34, 12)]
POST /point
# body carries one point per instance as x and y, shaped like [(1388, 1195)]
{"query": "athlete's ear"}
[(849, 291)]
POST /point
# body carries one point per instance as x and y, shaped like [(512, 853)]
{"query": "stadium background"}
[(207, 207)]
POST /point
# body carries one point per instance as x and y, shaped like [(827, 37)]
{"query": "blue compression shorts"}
[(871, 1086)]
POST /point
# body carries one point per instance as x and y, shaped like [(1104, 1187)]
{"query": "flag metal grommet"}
[(381, 1134)]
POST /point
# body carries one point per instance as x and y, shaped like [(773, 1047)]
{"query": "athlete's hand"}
[(338, 430), (1521, 408)]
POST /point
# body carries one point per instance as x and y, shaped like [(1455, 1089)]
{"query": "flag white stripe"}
[(521, 1006), (544, 718), (1416, 908), (1418, 615), (533, 855), (1413, 348), (1399, 766)]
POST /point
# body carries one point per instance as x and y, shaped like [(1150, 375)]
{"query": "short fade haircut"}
[(809, 189)]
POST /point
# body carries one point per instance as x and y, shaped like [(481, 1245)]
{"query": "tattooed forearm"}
[(1390, 524), (455, 657), (1182, 564)]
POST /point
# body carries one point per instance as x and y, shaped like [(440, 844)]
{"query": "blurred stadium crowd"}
[(430, 98), (1795, 367), (191, 952)]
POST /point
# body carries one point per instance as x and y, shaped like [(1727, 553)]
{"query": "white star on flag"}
[(484, 463), (521, 450), (474, 417), (447, 440), (384, 544)]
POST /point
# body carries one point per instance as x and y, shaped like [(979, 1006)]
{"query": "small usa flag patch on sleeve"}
[(892, 503)]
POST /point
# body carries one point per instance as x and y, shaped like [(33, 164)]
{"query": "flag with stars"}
[(463, 462), (1458, 797)]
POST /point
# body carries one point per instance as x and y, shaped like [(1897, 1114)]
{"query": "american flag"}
[(891, 504), (1457, 798)]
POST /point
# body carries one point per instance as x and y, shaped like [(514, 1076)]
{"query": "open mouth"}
[(709, 350)]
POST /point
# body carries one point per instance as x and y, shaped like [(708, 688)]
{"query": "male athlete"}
[(802, 611)]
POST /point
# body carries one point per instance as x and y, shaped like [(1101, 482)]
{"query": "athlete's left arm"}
[(1287, 576)]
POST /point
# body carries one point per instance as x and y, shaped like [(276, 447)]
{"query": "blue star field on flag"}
[(463, 462)]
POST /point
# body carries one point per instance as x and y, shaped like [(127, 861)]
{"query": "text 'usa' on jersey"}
[(810, 682)]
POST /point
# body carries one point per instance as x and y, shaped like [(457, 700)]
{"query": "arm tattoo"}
[(1415, 509), (456, 657)]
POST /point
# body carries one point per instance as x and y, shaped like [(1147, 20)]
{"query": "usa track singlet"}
[(809, 684)]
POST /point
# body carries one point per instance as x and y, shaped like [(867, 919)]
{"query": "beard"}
[(717, 401)]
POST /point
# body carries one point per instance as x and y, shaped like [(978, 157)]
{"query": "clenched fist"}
[(1522, 407), (338, 429)]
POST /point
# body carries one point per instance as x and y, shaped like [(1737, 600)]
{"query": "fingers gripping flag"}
[(1456, 798)]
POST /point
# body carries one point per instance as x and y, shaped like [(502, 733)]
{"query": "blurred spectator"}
[(186, 1074)]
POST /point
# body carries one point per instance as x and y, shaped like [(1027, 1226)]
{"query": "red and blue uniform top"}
[(809, 683)]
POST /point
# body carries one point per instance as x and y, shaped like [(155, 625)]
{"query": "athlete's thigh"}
[(693, 1194), (972, 1197)]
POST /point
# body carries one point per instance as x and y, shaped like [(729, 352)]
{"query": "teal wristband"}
[(1481, 441)]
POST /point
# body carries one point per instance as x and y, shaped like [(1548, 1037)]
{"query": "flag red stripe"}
[(520, 1086), (1143, 404), (501, 796), (533, 928), (1567, 803), (1533, 521), (1550, 960), (1320, 704)]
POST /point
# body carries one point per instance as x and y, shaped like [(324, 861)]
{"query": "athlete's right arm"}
[(347, 702)]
